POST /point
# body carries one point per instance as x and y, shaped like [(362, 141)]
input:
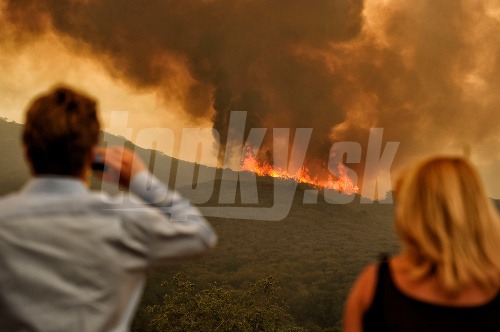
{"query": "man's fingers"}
[(122, 164), (113, 158)]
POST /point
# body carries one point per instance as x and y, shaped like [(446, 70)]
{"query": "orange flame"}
[(344, 184)]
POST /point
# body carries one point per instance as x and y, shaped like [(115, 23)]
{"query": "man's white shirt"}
[(72, 259)]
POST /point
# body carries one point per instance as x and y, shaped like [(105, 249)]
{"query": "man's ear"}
[(87, 168), (27, 159)]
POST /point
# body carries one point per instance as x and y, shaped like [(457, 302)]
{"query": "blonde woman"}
[(447, 277)]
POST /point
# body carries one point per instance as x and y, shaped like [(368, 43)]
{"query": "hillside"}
[(13, 170), (315, 253)]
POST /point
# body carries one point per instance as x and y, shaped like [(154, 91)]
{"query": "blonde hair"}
[(448, 225)]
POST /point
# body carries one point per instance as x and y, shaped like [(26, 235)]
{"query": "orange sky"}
[(400, 45)]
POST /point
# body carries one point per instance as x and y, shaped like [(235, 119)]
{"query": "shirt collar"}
[(52, 184)]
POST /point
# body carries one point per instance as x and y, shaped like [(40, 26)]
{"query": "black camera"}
[(98, 163)]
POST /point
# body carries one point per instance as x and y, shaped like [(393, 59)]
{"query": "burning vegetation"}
[(343, 184)]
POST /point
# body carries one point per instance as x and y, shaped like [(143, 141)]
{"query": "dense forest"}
[(313, 256), (287, 275)]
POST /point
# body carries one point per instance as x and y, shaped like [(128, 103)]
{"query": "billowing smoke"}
[(428, 72)]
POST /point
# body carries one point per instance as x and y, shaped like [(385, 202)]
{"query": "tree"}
[(219, 308)]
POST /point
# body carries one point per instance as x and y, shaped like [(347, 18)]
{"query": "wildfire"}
[(344, 184)]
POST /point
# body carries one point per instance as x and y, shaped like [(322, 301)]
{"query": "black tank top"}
[(391, 310)]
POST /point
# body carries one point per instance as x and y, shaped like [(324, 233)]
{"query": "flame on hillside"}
[(343, 184)]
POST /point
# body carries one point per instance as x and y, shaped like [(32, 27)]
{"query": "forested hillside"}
[(314, 255)]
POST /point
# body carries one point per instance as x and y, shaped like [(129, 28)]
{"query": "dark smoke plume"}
[(428, 72)]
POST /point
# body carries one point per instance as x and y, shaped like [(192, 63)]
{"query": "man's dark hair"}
[(61, 128)]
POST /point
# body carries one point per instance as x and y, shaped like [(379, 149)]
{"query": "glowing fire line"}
[(344, 184)]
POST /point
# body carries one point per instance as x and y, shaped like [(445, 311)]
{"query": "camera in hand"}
[(98, 163)]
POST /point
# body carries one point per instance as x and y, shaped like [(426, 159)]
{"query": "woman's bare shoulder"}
[(360, 298), (366, 283)]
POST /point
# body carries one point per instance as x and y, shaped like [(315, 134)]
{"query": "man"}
[(72, 259)]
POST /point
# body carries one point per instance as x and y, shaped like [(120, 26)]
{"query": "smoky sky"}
[(428, 72)]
